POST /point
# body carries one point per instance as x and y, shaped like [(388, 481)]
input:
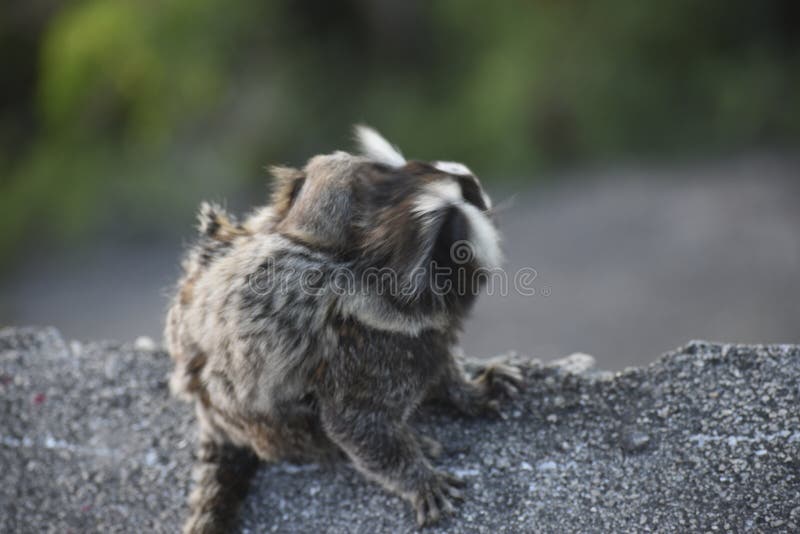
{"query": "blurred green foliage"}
[(118, 115)]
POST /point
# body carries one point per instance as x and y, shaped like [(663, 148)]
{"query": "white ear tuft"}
[(452, 167), (376, 148)]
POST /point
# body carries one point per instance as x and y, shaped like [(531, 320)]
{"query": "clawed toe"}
[(437, 499), (503, 379)]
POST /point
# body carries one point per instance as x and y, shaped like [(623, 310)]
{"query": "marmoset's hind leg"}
[(221, 477)]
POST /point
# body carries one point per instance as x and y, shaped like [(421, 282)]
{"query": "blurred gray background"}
[(630, 263), (645, 153)]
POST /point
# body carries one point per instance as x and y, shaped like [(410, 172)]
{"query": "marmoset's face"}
[(426, 207)]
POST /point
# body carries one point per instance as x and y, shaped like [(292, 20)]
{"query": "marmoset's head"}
[(382, 211)]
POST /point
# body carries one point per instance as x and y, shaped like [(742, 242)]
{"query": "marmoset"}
[(316, 326)]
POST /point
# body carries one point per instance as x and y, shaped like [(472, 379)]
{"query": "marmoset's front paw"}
[(482, 394), (498, 380), (435, 497)]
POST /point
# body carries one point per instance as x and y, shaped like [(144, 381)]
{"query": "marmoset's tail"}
[(221, 478)]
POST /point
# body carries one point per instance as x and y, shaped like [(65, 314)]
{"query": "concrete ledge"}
[(707, 438)]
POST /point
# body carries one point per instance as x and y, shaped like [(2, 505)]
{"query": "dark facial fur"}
[(281, 361)]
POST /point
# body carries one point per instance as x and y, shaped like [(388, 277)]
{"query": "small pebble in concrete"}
[(634, 441)]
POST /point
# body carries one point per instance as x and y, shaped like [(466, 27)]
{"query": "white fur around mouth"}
[(483, 234)]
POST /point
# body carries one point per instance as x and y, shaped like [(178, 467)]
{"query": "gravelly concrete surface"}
[(705, 439)]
